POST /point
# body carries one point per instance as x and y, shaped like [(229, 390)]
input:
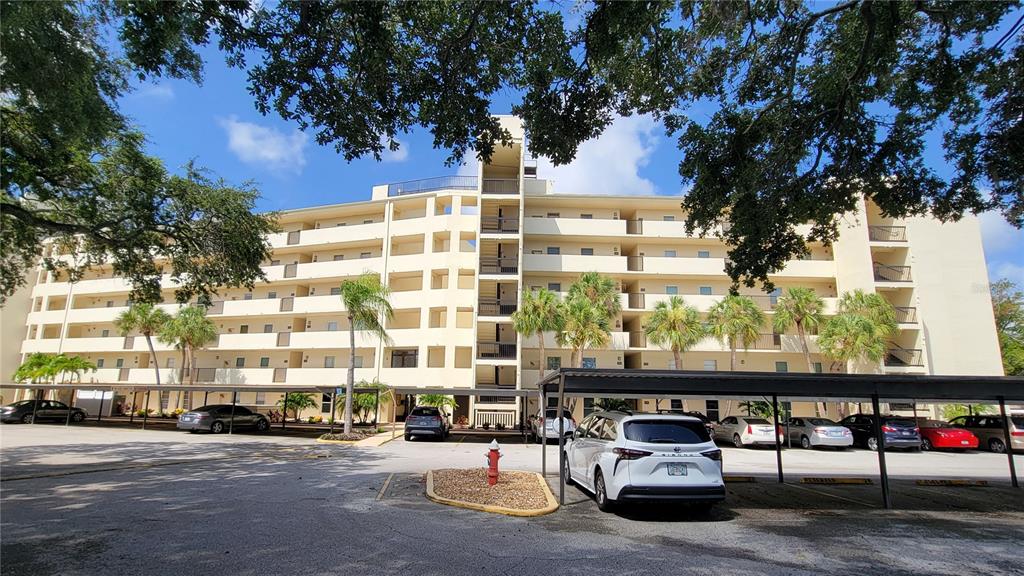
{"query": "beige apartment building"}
[(458, 251)]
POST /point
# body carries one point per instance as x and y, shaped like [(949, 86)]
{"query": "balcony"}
[(593, 227), (499, 265), (432, 184), (897, 357), (328, 236), (574, 263), (906, 315), (887, 233), (885, 273), (500, 186), (496, 350), (495, 307), (499, 225)]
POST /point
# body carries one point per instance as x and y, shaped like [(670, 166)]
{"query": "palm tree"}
[(72, 365), (147, 319), (734, 320), (598, 289), (36, 368), (585, 325), (189, 331), (441, 401), (871, 306), (366, 301), (676, 326), (852, 337), (539, 312), (799, 307), (297, 402)]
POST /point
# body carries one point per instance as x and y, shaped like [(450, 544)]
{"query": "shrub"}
[(462, 420), (499, 426), (178, 412), (486, 426)]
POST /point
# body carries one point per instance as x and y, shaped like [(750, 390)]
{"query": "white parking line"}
[(384, 488)]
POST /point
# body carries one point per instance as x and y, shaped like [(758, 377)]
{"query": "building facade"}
[(457, 252)]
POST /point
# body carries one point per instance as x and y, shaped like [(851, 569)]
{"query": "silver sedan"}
[(813, 432)]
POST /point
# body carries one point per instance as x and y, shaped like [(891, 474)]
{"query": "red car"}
[(936, 434)]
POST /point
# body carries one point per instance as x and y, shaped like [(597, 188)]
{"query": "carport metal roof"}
[(633, 383)]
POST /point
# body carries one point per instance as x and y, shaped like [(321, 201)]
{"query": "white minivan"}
[(623, 456)]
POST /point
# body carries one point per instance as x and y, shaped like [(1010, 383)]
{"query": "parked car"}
[(217, 418), (546, 425), (898, 432), (698, 415), (747, 431), (814, 432), (427, 421), (619, 456), (45, 410), (938, 434), (989, 430)]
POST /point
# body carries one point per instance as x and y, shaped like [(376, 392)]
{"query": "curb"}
[(943, 482), (739, 479), (322, 441), (551, 507)]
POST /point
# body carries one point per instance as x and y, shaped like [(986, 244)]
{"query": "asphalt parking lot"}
[(93, 500)]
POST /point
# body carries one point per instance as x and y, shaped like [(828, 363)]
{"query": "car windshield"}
[(209, 408), (1018, 421), (21, 403), (755, 421), (426, 411), (820, 422), (904, 423), (666, 432)]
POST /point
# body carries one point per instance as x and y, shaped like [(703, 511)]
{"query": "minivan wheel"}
[(601, 493), (873, 444), (737, 441), (566, 472), (996, 445), (77, 416), (805, 442), (217, 427)]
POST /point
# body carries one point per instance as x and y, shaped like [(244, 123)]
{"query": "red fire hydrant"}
[(492, 463)]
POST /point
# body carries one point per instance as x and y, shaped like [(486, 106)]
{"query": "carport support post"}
[(333, 406), (231, 424), (145, 410), (131, 411), (99, 413), (561, 439), (778, 443), (1009, 442), (35, 404), (543, 437), (880, 438), (71, 404)]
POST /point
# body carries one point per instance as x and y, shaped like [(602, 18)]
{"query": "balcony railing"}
[(501, 350), (886, 273), (765, 342), (499, 265), (432, 184), (904, 357), (637, 340), (636, 301), (496, 186), (495, 307), (887, 233), (494, 417), (634, 226), (635, 263), (499, 225), (906, 315)]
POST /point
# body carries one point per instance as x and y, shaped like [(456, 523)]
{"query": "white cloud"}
[(609, 164), (264, 146), (998, 235), (162, 92), (1007, 270), (399, 155)]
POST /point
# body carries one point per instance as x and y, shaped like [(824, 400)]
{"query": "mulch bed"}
[(516, 490), (355, 435)]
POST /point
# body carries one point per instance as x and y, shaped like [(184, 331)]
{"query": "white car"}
[(747, 431), (545, 427), (621, 456), (814, 432)]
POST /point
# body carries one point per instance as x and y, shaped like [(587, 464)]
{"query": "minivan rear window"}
[(425, 411), (666, 432), (1018, 421)]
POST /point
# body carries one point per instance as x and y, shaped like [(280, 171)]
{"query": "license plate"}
[(677, 469), (964, 442), (907, 433), (835, 433)]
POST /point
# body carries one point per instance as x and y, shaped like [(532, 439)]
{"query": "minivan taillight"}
[(1017, 433), (715, 455), (750, 429), (629, 453)]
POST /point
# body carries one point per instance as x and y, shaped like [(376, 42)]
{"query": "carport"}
[(682, 384)]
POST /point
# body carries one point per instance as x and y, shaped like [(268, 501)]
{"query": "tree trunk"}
[(152, 354), (732, 368), (678, 358), (810, 365), (350, 384), (543, 360)]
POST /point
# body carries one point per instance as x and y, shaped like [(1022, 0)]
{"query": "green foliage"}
[(368, 396), (1008, 309), (296, 402), (142, 317), (189, 330), (852, 337), (598, 289), (437, 400), (735, 320), (802, 308), (676, 326), (366, 302), (872, 306), (759, 408), (611, 404), (540, 311), (39, 367), (585, 325), (950, 411)]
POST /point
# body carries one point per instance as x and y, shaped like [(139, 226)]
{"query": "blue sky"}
[(217, 125)]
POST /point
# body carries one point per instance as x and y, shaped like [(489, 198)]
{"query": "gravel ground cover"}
[(516, 490)]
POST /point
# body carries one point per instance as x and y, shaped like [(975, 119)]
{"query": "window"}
[(170, 363), (243, 329), (669, 218), (99, 363), (275, 262), (608, 430), (672, 290), (119, 363), (261, 398), (332, 326), (336, 291), (676, 404), (552, 401), (368, 221), (325, 404), (271, 294), (110, 303), (666, 431), (554, 215), (586, 251), (774, 296), (264, 362), (711, 365), (586, 216), (328, 361), (404, 358), (670, 253), (364, 255), (703, 254), (589, 363), (588, 406), (817, 367), (782, 367), (165, 399), (705, 290), (554, 362), (711, 409), (247, 296), (268, 328), (339, 257), (105, 333), (239, 362), (554, 286), (554, 250)]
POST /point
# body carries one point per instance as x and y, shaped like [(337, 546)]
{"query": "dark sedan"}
[(217, 418), (44, 410), (898, 432), (426, 421)]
